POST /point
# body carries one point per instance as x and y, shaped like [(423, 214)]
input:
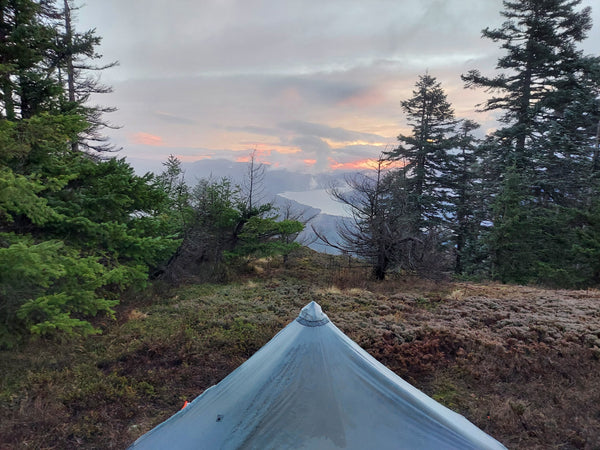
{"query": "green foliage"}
[(217, 204), (19, 197), (46, 287), (75, 230), (177, 213), (262, 237), (535, 243), (224, 226)]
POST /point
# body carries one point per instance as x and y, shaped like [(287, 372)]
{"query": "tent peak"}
[(312, 315)]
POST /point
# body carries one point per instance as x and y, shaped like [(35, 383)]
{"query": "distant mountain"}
[(275, 182), (325, 224)]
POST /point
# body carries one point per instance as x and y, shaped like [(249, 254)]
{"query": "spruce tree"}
[(79, 75), (27, 39)]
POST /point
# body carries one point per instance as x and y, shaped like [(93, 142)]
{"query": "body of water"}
[(320, 199)]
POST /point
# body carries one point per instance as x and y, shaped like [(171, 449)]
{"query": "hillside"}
[(522, 363)]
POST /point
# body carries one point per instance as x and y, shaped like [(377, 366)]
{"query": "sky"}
[(311, 86)]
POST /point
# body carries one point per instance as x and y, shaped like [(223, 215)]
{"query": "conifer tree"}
[(465, 197), (542, 156), (79, 75), (425, 152), (545, 85), (74, 230), (27, 38)]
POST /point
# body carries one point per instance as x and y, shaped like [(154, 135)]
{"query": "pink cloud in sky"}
[(245, 159), (362, 164), (365, 99), (263, 151), (147, 139), (310, 162)]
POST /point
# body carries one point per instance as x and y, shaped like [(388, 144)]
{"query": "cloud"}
[(263, 131), (362, 164), (147, 139), (309, 81), (337, 134), (174, 119)]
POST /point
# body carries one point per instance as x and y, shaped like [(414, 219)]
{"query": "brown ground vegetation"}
[(522, 363)]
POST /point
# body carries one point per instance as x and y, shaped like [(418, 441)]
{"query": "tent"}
[(312, 387)]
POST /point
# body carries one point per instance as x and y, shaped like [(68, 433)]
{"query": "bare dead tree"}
[(377, 231), (253, 183)]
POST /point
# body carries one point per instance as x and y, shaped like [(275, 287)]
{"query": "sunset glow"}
[(341, 144), (325, 98), (364, 164), (147, 139)]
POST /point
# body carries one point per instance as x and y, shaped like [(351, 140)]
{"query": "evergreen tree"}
[(463, 178), (425, 152), (74, 59), (27, 41), (74, 231), (546, 88), (228, 224), (542, 158)]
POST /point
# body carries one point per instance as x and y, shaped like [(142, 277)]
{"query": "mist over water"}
[(320, 199)]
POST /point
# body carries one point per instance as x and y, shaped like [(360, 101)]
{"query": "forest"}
[(79, 229)]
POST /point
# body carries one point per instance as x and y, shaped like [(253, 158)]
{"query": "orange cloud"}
[(341, 144), (147, 139), (310, 162), (288, 150), (364, 164), (245, 159), (265, 149)]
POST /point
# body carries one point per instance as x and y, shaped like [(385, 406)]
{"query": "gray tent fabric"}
[(312, 387)]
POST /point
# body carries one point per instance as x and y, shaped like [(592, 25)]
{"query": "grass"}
[(520, 362)]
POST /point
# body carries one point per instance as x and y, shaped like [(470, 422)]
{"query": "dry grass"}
[(520, 362)]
